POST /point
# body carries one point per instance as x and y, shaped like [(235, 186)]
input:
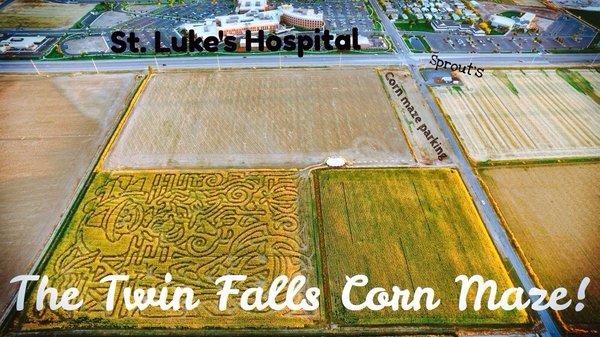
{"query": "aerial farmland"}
[(44, 157), (526, 114), (226, 175), (406, 227), (196, 225), (42, 14), (261, 118), (336, 168), (548, 208)]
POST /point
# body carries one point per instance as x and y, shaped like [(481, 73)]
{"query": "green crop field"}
[(410, 228)]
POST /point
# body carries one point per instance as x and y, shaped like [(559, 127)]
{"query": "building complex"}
[(255, 20)]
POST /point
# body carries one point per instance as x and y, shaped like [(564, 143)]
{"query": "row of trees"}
[(111, 5)]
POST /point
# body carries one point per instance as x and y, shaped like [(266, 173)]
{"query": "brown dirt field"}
[(41, 14), (259, 118), (553, 213), (51, 129), (424, 151)]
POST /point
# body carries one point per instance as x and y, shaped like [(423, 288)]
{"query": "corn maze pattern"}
[(197, 226)]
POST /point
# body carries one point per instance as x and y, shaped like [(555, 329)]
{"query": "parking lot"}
[(458, 43), (564, 33), (567, 25), (168, 18), (196, 11)]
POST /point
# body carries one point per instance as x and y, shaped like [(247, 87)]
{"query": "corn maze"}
[(197, 226)]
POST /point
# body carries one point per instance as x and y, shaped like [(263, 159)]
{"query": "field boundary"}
[(124, 119), (306, 189), (455, 133), (505, 262), (397, 113), (321, 247), (537, 162)]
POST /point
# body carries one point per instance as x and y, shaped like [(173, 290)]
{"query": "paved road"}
[(239, 61), (488, 214)]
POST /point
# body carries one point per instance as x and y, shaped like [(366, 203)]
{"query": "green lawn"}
[(373, 16), (511, 14), (420, 26)]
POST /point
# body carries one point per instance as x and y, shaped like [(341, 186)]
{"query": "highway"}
[(276, 60), (483, 204)]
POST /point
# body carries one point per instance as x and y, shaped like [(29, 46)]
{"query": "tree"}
[(485, 27), (109, 5)]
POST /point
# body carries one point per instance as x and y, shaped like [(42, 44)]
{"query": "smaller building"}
[(498, 21), (364, 42), (526, 20), (453, 26), (445, 25), (21, 43), (203, 30)]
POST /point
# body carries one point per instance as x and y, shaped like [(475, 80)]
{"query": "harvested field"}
[(553, 212), (410, 228), (196, 225), (41, 14), (260, 118), (51, 130), (525, 114)]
